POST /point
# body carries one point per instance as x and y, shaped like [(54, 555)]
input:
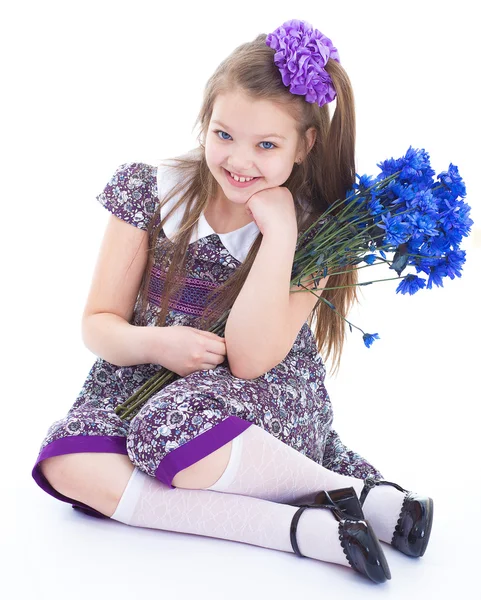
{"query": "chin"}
[(236, 199)]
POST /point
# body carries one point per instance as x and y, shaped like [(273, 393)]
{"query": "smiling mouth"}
[(245, 176), (250, 179)]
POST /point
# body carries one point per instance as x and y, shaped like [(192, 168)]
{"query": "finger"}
[(215, 345), (213, 361), (207, 366), (214, 351), (211, 334)]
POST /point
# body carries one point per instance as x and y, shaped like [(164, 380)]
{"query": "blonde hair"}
[(325, 174)]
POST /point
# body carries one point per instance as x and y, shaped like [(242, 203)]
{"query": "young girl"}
[(240, 446)]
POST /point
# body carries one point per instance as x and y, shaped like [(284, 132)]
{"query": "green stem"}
[(342, 243), (340, 287), (330, 305), (339, 202)]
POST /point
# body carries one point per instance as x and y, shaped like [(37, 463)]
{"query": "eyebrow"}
[(261, 136)]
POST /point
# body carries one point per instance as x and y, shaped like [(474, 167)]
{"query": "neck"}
[(224, 216)]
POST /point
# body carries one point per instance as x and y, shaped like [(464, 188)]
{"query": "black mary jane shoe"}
[(413, 528), (358, 540)]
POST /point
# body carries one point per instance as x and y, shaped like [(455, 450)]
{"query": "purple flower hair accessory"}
[(301, 55)]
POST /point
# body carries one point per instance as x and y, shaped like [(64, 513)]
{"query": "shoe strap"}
[(294, 522), (295, 519), (370, 482)]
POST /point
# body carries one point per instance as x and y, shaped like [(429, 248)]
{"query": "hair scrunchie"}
[(301, 55)]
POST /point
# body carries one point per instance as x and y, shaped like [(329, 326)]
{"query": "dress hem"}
[(75, 444), (199, 447)]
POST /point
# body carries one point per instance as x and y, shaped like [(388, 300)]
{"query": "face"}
[(237, 140)]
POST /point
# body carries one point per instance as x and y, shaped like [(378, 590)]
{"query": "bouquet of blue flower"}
[(402, 217), (403, 211)]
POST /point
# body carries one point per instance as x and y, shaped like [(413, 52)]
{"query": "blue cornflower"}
[(426, 263), (455, 219), (414, 244), (417, 168), (423, 223), (369, 338), (374, 205), (411, 284), (351, 193), (389, 167), (454, 263), (353, 197), (365, 182), (414, 166), (463, 209), (453, 182), (400, 195), (436, 275), (439, 244), (424, 201), (397, 232), (390, 192), (369, 259)]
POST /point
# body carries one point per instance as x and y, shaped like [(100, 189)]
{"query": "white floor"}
[(88, 88), (409, 404)]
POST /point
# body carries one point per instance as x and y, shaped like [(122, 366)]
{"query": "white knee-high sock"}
[(147, 502), (262, 466)]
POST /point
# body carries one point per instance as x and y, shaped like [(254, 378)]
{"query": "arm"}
[(256, 335), (115, 340), (267, 315), (106, 328)]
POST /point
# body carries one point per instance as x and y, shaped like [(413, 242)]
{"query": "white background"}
[(88, 86)]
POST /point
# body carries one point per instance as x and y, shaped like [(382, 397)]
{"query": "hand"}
[(184, 349), (273, 210)]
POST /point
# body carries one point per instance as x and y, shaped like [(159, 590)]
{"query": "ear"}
[(311, 134), (311, 137)]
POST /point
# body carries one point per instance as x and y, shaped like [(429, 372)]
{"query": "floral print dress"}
[(195, 415)]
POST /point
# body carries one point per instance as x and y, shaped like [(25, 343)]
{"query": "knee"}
[(58, 472), (69, 473), (205, 472)]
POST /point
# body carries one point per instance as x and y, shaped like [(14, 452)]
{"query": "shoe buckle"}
[(369, 483)]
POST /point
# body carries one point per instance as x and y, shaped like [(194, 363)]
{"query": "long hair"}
[(325, 174)]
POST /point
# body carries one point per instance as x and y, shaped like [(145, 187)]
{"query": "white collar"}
[(237, 242)]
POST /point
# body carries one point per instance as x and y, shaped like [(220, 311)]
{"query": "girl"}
[(239, 447)]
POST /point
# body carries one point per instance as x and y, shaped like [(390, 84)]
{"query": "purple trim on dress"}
[(115, 444), (194, 293), (201, 446)]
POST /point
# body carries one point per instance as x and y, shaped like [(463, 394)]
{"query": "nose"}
[(240, 162)]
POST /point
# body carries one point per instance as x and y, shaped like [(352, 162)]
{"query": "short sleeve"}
[(131, 194)]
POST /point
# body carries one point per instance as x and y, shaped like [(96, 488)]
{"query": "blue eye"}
[(223, 138)]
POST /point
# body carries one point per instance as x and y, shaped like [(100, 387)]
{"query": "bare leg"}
[(97, 479), (206, 471)]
